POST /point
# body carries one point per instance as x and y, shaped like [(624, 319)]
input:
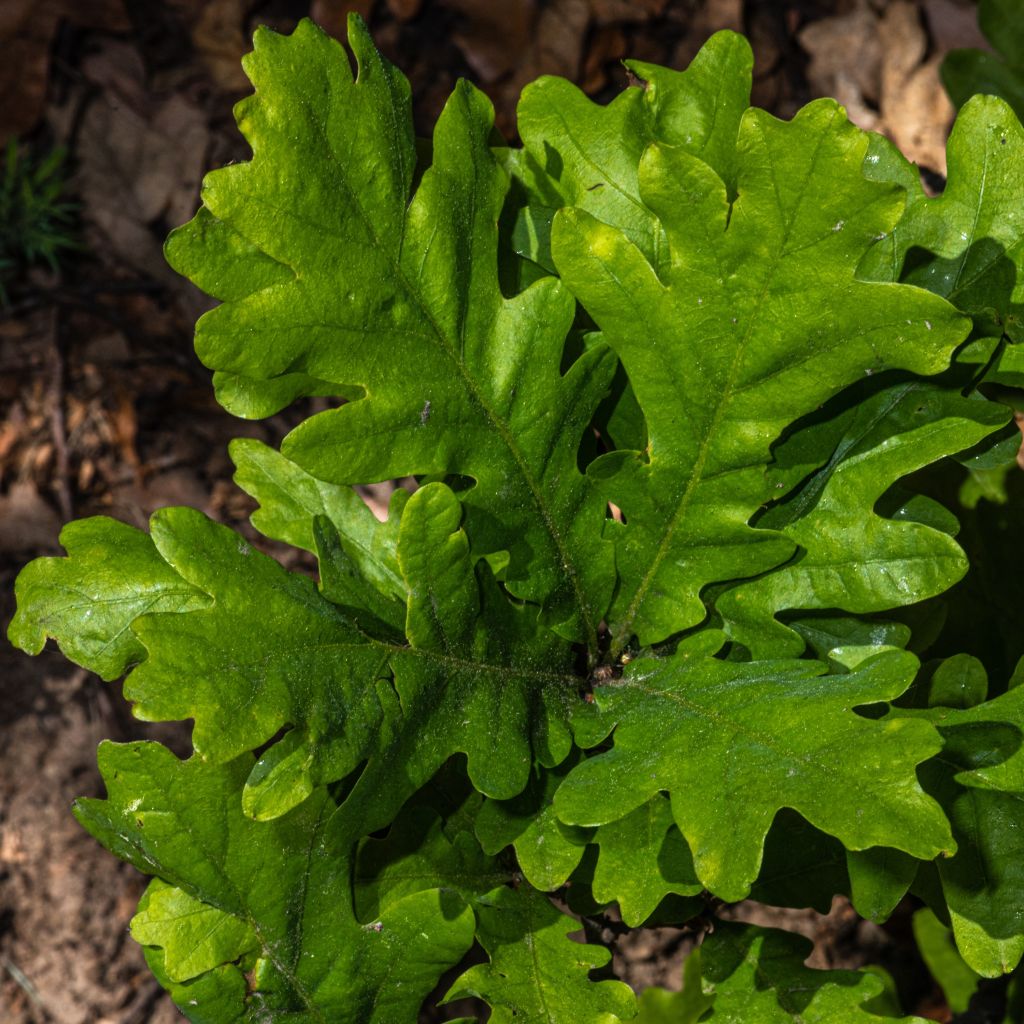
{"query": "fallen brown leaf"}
[(27, 522), (608, 12), (332, 15), (404, 10), (557, 44), (27, 28), (845, 46), (952, 25), (134, 169), (494, 37), (220, 40), (916, 112)]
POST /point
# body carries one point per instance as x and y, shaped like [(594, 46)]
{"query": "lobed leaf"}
[(547, 850), (758, 320), (850, 557), (470, 383), (712, 481), (968, 72), (88, 601), (536, 974), (978, 781), (757, 976), (733, 743), (966, 245), (643, 859), (259, 649), (284, 884), (577, 153)]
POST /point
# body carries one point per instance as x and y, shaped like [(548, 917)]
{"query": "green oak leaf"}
[(291, 501), (536, 974), (578, 656), (826, 635), (802, 866), (577, 153), (968, 72), (356, 553), (195, 937), (733, 743), (659, 1006), (757, 321), (979, 781), (480, 675), (643, 859), (851, 557), (966, 245), (395, 298), (879, 879), (88, 601), (418, 855), (547, 850), (935, 943), (287, 885), (478, 666), (757, 976), (268, 651)]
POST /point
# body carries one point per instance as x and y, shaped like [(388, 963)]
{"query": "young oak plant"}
[(647, 635)]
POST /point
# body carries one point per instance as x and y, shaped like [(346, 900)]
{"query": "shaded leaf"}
[(547, 850), (879, 879), (935, 943), (979, 782), (288, 880), (291, 500), (967, 72), (643, 859), (965, 245), (802, 866), (757, 976), (850, 556), (417, 856), (536, 973), (658, 1006)]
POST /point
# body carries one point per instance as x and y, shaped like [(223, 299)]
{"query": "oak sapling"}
[(504, 708)]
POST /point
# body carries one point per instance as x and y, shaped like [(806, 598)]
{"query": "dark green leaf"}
[(935, 943), (536, 974), (284, 883), (757, 976), (547, 850), (979, 780)]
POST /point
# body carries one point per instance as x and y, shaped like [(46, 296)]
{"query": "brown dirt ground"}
[(105, 409)]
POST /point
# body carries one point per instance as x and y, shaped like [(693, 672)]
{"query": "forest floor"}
[(104, 408)]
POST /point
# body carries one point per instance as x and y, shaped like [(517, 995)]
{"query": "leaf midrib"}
[(695, 478), (498, 425)]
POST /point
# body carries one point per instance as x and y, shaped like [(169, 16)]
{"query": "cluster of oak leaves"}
[(640, 636)]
